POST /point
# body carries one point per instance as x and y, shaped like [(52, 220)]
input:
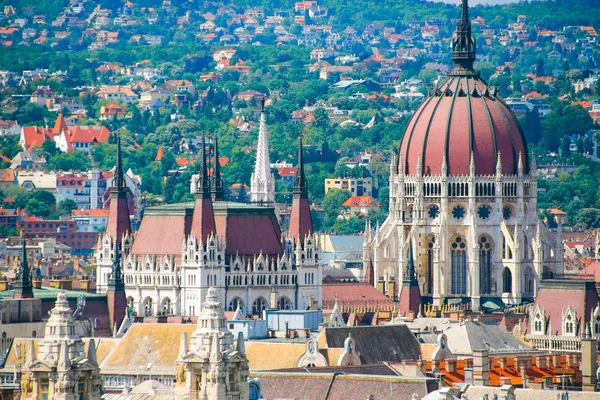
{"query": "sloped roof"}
[(246, 229), (556, 295), (353, 294), (146, 345), (462, 339), (394, 342)]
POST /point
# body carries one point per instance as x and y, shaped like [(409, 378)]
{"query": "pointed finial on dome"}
[(444, 165), (499, 164), (463, 45), (472, 165), (520, 165)]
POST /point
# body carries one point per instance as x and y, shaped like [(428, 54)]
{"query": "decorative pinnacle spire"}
[(300, 183), (217, 188), (472, 165), (499, 164), (115, 280), (520, 165), (410, 266), (203, 188), (24, 287), (463, 45), (119, 182)]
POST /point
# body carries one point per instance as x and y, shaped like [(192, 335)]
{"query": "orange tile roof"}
[(159, 154), (556, 211), (361, 201), (90, 213)]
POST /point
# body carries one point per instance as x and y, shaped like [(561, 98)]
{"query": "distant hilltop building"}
[(463, 197), (180, 250), (66, 138)]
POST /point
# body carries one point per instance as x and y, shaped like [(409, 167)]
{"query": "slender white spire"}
[(262, 183)]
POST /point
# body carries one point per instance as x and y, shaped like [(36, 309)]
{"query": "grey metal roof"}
[(473, 335), (346, 242), (375, 344)]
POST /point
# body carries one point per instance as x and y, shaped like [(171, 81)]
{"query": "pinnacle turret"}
[(217, 190), (463, 45)]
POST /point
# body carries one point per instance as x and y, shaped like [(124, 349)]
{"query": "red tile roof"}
[(353, 294), (361, 201), (92, 213), (287, 171)]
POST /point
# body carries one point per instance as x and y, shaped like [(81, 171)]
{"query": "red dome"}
[(461, 116)]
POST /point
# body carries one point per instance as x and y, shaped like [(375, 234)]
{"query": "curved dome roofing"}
[(463, 117)]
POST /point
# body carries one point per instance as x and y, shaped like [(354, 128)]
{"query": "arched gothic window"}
[(459, 266), (529, 281), (485, 265), (259, 306), (430, 265), (506, 281)]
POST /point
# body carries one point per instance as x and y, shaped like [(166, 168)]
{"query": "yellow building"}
[(356, 186)]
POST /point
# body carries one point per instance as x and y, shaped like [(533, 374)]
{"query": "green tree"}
[(333, 205), (66, 206)]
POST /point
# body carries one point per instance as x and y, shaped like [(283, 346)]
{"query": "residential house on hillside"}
[(118, 93), (66, 138)]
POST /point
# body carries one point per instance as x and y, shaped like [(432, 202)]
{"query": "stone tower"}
[(262, 182), (212, 366), (62, 369)]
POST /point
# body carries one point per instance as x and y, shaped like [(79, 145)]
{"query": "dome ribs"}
[(470, 118), (448, 128), (492, 131), (414, 120), (426, 137)]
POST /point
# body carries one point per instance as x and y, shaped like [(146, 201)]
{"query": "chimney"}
[(556, 361), (589, 350), (435, 366), (502, 362), (540, 362), (481, 373), (550, 361), (523, 370), (451, 365), (422, 365)]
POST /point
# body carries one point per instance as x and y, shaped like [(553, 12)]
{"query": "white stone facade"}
[(474, 236), (167, 285)]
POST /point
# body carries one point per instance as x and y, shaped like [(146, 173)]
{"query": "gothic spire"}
[(118, 214), (262, 186), (463, 45), (203, 188), (115, 280), (300, 189), (300, 220), (217, 188), (203, 219), (119, 181), (410, 265), (24, 287)]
